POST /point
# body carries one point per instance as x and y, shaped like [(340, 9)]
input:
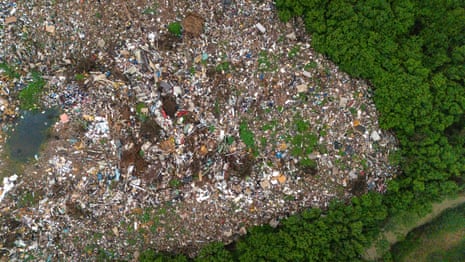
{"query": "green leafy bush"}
[(175, 28), (150, 255), (303, 142), (246, 135), (140, 107), (214, 252)]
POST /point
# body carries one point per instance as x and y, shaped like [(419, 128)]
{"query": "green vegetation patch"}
[(267, 62), (29, 199), (142, 111), (246, 135), (175, 28), (224, 66), (302, 142), (9, 71), (29, 96), (455, 253)]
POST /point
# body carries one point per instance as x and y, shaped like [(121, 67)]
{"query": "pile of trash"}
[(171, 141)]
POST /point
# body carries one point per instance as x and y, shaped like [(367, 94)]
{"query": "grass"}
[(443, 239), (294, 51), (9, 71), (265, 64), (246, 135), (456, 253), (311, 65), (175, 183), (29, 96), (153, 10), (353, 111), (223, 67), (80, 77), (105, 255), (229, 140), (140, 107), (175, 28), (303, 142), (28, 199), (10, 166)]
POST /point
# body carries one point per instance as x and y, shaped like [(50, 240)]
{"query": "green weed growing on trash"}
[(246, 135), (105, 255), (303, 142), (151, 10), (175, 183), (8, 71), (80, 77), (294, 51), (28, 199), (29, 96), (267, 62), (223, 67), (175, 28), (140, 108)]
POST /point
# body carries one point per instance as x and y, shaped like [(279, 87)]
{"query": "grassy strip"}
[(455, 253), (433, 241)]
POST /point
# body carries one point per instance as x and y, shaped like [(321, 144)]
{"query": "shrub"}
[(175, 28)]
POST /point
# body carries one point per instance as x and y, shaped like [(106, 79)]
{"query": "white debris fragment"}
[(260, 28), (8, 184), (343, 102), (307, 74), (98, 129), (177, 91), (202, 195), (375, 136), (291, 36)]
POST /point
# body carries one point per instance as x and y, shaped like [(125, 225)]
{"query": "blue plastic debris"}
[(204, 56), (117, 174), (99, 176)]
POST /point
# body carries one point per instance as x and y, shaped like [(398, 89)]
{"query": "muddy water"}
[(26, 138)]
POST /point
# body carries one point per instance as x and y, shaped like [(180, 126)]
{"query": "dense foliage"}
[(413, 52), (340, 234)]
